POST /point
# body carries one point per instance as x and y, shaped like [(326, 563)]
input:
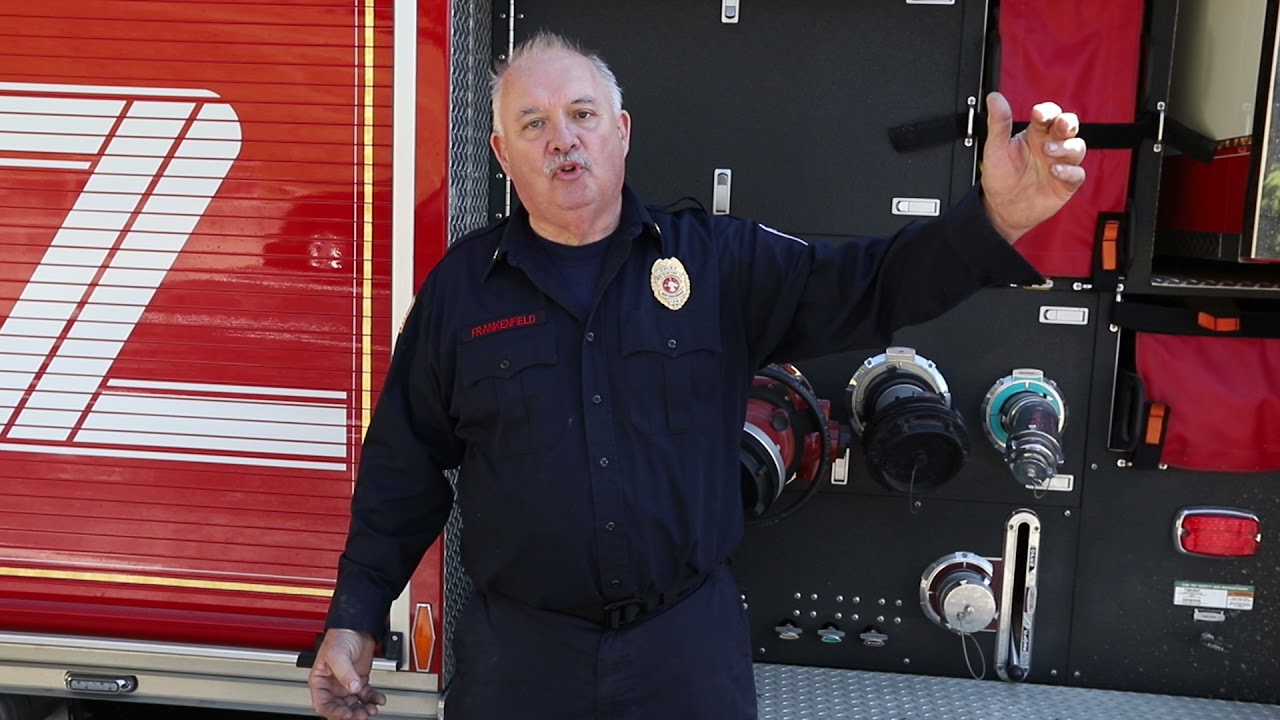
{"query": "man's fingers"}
[(1071, 150), (999, 119), (1066, 125), (1043, 116), (347, 708), (372, 697), (1072, 175), (333, 699)]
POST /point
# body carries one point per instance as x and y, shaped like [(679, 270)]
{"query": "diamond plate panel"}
[(468, 209), (469, 116), (788, 692)]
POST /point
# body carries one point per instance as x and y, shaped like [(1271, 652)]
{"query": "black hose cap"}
[(916, 444)]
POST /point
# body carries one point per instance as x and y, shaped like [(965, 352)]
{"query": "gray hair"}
[(545, 43)]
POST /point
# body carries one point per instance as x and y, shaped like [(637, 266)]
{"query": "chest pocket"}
[(673, 371), (506, 385)]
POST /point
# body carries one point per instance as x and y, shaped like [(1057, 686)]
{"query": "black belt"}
[(624, 612)]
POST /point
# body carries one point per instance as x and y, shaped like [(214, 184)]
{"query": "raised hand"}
[(1028, 177)]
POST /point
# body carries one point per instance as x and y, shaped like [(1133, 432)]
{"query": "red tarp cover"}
[(1223, 396), (1084, 56)]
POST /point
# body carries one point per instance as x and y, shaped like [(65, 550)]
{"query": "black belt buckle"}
[(617, 614)]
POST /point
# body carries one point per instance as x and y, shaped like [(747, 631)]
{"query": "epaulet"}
[(685, 204)]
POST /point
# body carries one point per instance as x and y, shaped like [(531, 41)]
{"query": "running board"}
[(193, 675)]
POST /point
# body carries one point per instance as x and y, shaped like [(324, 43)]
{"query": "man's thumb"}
[(345, 673), (999, 118), (351, 682)]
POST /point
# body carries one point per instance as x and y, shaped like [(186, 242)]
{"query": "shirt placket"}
[(608, 475)]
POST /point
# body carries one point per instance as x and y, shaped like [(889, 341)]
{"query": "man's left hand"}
[(1028, 177)]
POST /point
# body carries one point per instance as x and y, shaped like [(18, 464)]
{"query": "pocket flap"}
[(673, 336), (503, 355)]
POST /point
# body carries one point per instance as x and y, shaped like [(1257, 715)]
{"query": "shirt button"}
[(671, 343), (597, 399), (609, 526), (591, 337), (504, 364), (604, 462), (615, 583)]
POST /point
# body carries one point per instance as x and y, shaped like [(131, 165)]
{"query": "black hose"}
[(824, 463)]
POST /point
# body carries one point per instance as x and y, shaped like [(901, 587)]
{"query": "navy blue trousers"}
[(689, 662)]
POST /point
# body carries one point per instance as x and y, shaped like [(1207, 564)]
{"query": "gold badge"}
[(670, 283)]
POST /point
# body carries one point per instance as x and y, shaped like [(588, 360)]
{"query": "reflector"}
[(424, 638)]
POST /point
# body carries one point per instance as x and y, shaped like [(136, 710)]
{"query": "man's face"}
[(561, 143)]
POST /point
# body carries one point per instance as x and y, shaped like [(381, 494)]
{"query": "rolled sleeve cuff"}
[(353, 607), (976, 242)]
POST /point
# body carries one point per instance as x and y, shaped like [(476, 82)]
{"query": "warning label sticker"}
[(1212, 595)]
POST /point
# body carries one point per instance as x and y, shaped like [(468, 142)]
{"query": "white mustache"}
[(577, 156)]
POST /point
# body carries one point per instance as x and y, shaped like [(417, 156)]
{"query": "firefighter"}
[(585, 364)]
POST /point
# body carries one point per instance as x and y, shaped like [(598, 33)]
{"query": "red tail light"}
[(1217, 532)]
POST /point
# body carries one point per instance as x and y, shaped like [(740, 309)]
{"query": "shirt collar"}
[(518, 238)]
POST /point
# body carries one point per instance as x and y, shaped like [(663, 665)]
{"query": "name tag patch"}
[(507, 323)]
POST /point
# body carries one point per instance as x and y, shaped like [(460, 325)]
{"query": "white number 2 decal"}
[(155, 165), (156, 157)]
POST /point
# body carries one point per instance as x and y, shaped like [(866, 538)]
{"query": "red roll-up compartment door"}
[(194, 269), (1085, 57), (1217, 400)]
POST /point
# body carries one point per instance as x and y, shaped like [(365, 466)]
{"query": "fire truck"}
[(1048, 502)]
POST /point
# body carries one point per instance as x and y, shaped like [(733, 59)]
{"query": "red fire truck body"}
[(208, 245), (214, 215)]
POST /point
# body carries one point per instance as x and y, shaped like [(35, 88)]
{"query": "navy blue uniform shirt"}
[(598, 447)]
